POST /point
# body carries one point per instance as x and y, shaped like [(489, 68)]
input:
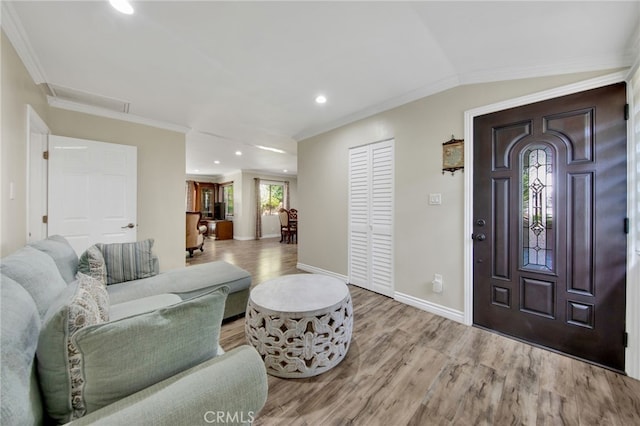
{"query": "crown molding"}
[(18, 37), (424, 91), (587, 64), (107, 113)]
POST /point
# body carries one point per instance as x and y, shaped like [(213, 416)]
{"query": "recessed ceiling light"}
[(238, 152), (320, 99), (268, 148), (122, 6), (196, 171), (216, 162)]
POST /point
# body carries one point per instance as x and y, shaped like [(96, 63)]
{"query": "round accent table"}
[(300, 324)]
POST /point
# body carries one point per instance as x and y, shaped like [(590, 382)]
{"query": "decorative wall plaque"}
[(453, 155)]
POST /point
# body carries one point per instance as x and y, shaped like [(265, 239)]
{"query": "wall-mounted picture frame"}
[(453, 155)]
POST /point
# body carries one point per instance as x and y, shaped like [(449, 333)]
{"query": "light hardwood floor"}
[(409, 367)]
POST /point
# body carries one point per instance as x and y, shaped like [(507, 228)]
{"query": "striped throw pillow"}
[(128, 261)]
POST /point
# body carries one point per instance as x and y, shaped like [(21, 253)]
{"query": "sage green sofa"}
[(140, 352)]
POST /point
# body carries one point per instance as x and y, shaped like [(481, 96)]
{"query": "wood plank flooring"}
[(409, 367), (263, 259)]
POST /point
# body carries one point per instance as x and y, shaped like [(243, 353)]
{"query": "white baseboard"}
[(235, 237), (270, 236), (314, 270), (424, 305), (434, 308)]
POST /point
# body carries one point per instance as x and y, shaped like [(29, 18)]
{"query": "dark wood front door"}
[(549, 190)]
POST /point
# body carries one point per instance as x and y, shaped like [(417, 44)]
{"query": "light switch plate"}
[(435, 199)]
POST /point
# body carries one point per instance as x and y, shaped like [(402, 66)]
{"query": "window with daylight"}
[(537, 209), (227, 198), (271, 197)]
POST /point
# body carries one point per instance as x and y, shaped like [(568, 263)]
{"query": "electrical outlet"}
[(436, 284), (435, 199)]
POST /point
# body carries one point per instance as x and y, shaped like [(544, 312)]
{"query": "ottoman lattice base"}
[(300, 345)]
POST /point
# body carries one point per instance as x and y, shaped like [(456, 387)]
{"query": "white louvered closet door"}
[(371, 170)]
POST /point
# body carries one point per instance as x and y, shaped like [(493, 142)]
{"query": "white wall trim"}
[(469, 116), (434, 308), (20, 42), (35, 124), (314, 270), (270, 236), (632, 352), (103, 112)]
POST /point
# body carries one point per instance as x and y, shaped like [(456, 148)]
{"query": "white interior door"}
[(359, 208), (382, 217), (371, 172), (92, 191)]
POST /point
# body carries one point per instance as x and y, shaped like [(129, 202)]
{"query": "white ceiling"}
[(234, 75)]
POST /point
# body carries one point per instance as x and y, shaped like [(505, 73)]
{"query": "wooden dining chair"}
[(287, 231)]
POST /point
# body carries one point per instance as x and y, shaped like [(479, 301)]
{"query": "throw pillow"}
[(125, 356), (128, 261), (85, 303), (62, 253), (92, 263), (37, 273)]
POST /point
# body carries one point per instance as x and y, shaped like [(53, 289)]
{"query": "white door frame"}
[(633, 296), (36, 166)]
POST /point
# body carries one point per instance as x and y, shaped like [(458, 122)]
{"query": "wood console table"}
[(224, 229)]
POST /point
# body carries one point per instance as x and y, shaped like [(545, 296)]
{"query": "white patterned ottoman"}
[(301, 324)]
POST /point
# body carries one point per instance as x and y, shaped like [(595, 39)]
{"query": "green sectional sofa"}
[(143, 351)]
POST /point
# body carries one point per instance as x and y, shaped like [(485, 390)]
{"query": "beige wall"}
[(161, 163), (18, 91), (427, 239)]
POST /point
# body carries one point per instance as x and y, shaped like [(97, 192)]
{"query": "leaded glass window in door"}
[(538, 240)]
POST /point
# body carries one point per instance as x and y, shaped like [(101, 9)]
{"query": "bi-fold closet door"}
[(371, 179)]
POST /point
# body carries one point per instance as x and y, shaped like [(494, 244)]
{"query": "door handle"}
[(131, 225), (478, 237)]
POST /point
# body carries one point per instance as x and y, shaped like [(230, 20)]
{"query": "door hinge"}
[(45, 219), (45, 155), (625, 339), (626, 225), (626, 111)]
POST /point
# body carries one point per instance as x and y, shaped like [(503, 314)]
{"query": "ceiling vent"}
[(84, 98)]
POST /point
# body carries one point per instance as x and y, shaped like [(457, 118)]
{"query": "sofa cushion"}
[(62, 254), (124, 356), (37, 272), (139, 306), (185, 282), (128, 261), (20, 322), (92, 263), (84, 303)]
